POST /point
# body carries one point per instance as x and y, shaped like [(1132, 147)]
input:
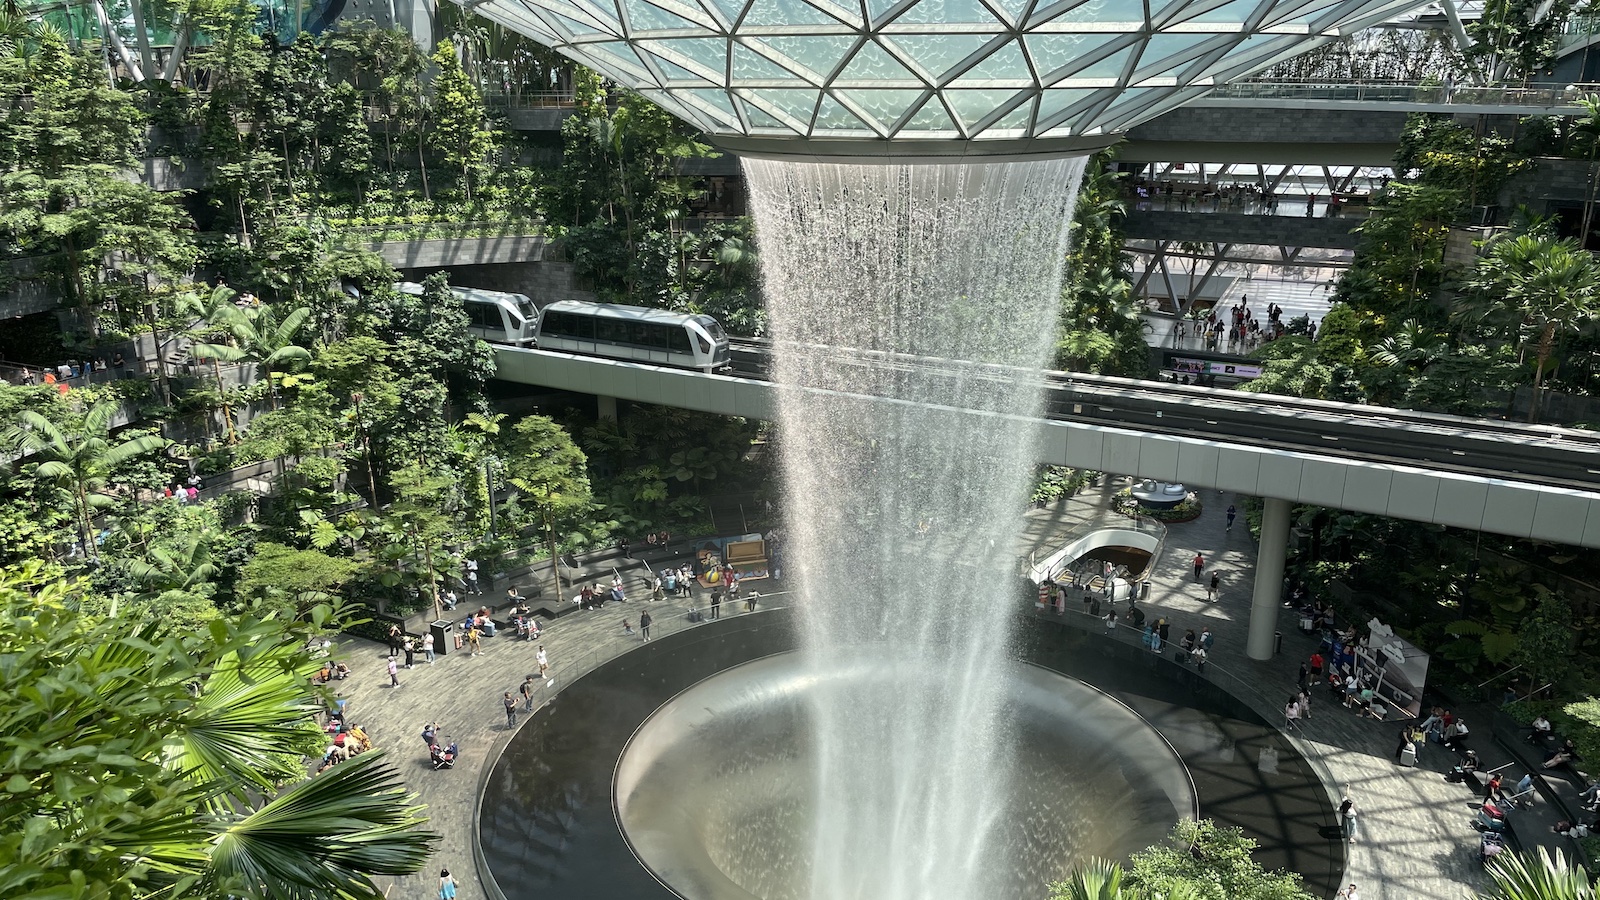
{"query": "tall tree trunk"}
[(161, 353), (222, 396), (1546, 345)]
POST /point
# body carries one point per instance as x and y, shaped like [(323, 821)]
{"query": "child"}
[(627, 629)]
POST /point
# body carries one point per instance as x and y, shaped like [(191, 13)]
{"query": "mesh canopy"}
[(964, 70)]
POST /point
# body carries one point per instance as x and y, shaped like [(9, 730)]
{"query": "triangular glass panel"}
[(619, 56), (948, 12), (832, 116), (1167, 51), (1250, 53), (748, 65), (674, 72), (1057, 100), (711, 53), (1127, 100), (821, 53), (873, 64), (786, 12), (797, 105), (972, 106), (649, 17), (931, 117), (758, 117), (1009, 10), (1061, 53), (1016, 120), (1294, 12), (878, 10), (887, 106), (1237, 12), (574, 26), (1004, 63), (717, 100), (728, 10), (1110, 67), (937, 54), (1095, 12)]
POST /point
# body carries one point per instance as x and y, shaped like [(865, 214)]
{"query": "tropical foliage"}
[(144, 760)]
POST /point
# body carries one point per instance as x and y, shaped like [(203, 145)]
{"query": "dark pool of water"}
[(548, 829)]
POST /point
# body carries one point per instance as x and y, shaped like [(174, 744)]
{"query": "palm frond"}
[(330, 831)]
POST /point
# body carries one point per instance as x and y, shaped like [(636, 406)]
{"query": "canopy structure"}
[(933, 77)]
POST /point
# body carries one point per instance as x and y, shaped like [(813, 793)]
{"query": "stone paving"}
[(1416, 841)]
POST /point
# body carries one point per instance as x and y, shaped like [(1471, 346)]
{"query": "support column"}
[(606, 408), (1269, 578)]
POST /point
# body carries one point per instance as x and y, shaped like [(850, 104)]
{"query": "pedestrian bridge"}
[(1531, 482)]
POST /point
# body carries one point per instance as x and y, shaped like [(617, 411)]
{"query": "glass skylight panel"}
[(928, 69)]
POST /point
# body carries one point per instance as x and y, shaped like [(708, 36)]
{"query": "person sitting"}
[(484, 623), (1455, 736), (1557, 758), (324, 675), (341, 671), (1540, 731), (362, 742)]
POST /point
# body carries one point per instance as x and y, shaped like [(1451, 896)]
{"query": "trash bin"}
[(443, 636), (1144, 590), (1277, 642)]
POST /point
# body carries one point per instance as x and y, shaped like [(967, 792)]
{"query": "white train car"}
[(633, 333), (495, 316)]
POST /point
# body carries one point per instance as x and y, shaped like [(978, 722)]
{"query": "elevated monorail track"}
[(1559, 457)]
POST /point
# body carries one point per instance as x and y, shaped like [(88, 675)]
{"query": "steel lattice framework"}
[(932, 70)]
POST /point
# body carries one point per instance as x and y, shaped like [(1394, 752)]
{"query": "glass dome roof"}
[(1068, 72)]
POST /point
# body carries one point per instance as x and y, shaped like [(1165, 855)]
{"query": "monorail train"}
[(633, 333), (495, 316)]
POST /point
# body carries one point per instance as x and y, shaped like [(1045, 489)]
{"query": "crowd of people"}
[(1236, 328)]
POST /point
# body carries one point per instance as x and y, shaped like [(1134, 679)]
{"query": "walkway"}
[(1416, 842)]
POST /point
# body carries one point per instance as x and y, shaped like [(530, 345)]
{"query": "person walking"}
[(1199, 657), (472, 577), (409, 646), (1231, 513), (1199, 562), (1207, 639), (1211, 589), (1291, 713), (511, 710), (544, 661), (447, 885), (1347, 818), (428, 648), (394, 673), (644, 624), (527, 690)]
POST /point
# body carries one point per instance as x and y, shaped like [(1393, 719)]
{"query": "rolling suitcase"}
[(1408, 756)]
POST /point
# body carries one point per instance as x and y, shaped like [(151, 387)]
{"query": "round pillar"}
[(1269, 578)]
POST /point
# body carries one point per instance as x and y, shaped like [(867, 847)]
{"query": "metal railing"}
[(1551, 96)]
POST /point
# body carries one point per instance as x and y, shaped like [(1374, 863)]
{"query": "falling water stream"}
[(890, 289)]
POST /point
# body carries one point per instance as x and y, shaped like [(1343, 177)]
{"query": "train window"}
[(711, 326), (652, 335), (485, 315), (678, 339), (611, 330), (705, 345)]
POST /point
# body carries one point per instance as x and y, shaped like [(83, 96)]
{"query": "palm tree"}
[(264, 340), (1521, 876), (80, 461), (179, 764), (1540, 288)]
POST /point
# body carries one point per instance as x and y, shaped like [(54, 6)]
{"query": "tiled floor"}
[(1416, 842)]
